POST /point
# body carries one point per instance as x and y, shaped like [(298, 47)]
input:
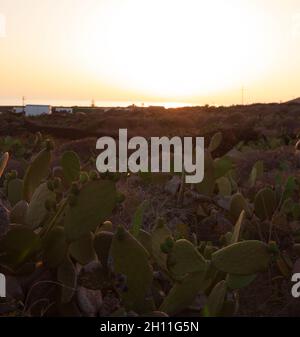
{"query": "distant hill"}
[(295, 101)]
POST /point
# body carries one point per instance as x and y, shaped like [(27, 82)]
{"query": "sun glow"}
[(176, 49)]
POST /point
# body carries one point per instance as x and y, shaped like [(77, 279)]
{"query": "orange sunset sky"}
[(185, 51)]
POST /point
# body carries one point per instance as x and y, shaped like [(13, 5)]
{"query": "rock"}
[(4, 219), (172, 186), (92, 276), (89, 301)]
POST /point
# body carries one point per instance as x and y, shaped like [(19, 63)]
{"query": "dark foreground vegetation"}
[(76, 243)]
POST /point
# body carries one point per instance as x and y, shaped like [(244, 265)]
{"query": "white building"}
[(66, 110), (36, 110)]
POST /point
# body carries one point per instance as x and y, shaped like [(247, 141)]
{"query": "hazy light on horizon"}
[(190, 51)]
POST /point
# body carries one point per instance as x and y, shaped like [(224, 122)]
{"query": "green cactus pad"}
[(82, 250), (265, 203), (224, 186), (207, 186), (94, 204), (146, 240), (159, 236), (184, 258), (36, 172), (18, 213), (71, 166), (222, 166), (66, 275), (237, 204), (102, 244), (130, 258), (237, 228), (37, 213), (183, 293), (215, 141), (235, 282), (55, 247), (15, 191), (242, 258), (18, 246), (216, 300), (256, 172), (3, 162)]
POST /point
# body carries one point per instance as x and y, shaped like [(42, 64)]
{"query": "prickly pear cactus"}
[(216, 300), (102, 244), (237, 205), (55, 247), (184, 259), (37, 171), (93, 204), (215, 141), (265, 203), (183, 293), (243, 258), (131, 259), (18, 246), (15, 191), (70, 163), (38, 210), (82, 250)]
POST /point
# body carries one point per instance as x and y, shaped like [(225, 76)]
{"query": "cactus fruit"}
[(265, 203), (18, 246), (131, 259), (184, 259), (88, 212), (18, 213), (243, 258), (55, 247), (37, 212), (215, 141), (36, 172), (3, 162), (82, 250), (216, 300), (71, 166), (15, 191), (66, 275)]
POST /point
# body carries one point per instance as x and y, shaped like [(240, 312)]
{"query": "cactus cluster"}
[(60, 221)]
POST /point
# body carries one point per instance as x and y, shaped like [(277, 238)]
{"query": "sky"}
[(157, 51)]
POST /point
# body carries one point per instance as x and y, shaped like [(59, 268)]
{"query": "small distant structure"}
[(37, 110), (64, 110)]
